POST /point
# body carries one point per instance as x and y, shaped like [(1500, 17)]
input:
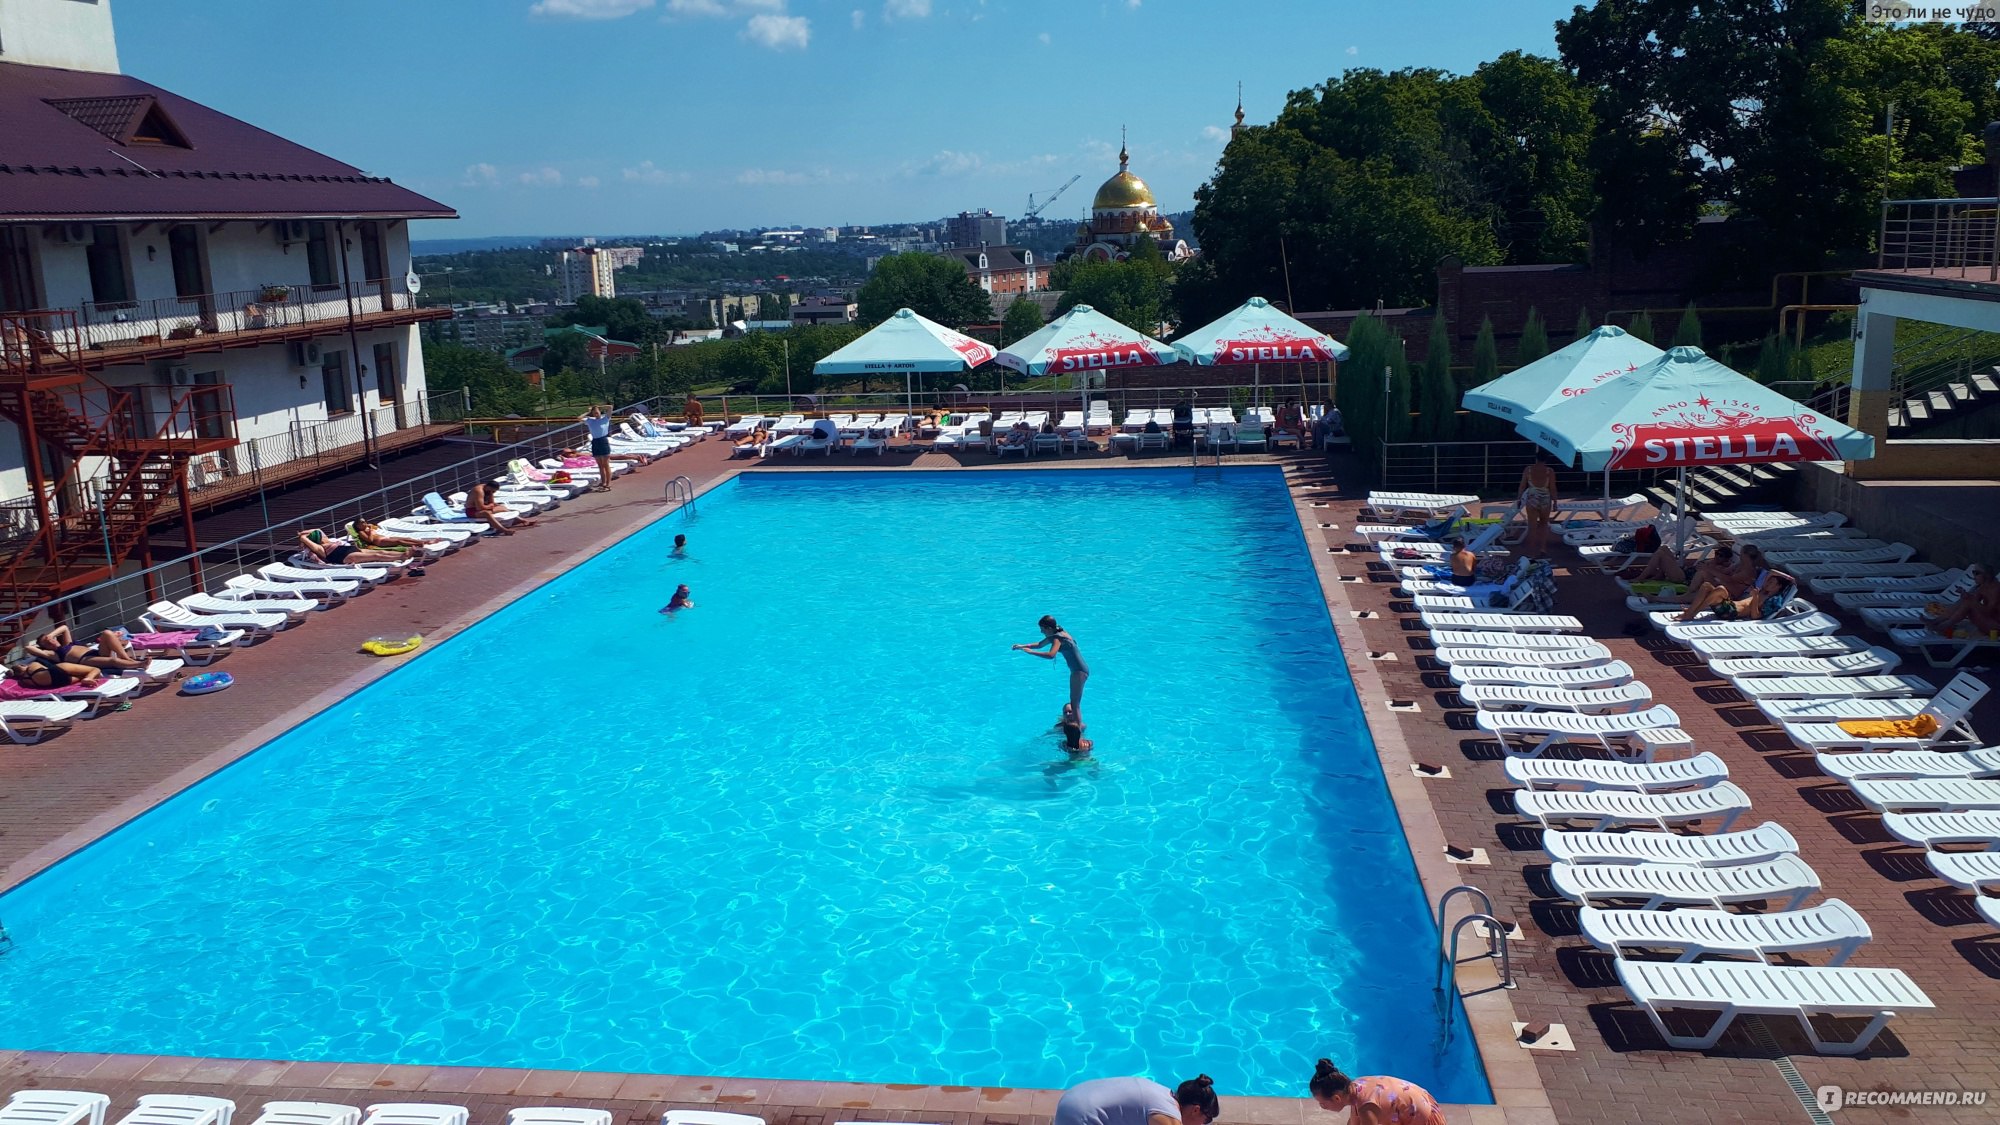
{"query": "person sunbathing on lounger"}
[(1978, 610), (49, 674), (754, 438), (111, 652), (482, 503), (333, 552), (1759, 604), (1726, 568), (370, 534)]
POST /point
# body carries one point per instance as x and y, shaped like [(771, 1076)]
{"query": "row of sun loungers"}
[(74, 1107), (1617, 830)]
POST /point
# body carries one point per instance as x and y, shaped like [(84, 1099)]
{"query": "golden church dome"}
[(1123, 190)]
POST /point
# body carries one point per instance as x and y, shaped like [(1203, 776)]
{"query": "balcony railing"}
[(111, 325), (1940, 236)]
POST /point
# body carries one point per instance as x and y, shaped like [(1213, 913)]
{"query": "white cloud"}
[(1043, 38), (949, 162), (649, 173), (906, 9), (544, 176), (1131, 3), (714, 8), (479, 175), (1354, 50), (588, 9), (1215, 132), (780, 33), (760, 176), (587, 182), (859, 17)]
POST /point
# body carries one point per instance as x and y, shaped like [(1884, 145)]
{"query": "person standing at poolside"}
[(1059, 642), (1374, 1100), (598, 421), (1538, 504), (1138, 1101), (691, 410)]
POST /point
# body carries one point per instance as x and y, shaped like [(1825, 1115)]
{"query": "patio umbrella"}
[(1602, 354), (1080, 342), (1684, 409), (909, 344), (1257, 333)]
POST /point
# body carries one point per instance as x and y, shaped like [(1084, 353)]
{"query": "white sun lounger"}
[(1588, 774), (1975, 871), (1929, 830), (1936, 794), (1555, 727), (1761, 844), (1889, 618), (1951, 708), (1839, 709), (1811, 573), (1610, 809), (311, 579), (54, 1107), (1503, 622), (1427, 505), (293, 608), (1608, 674), (160, 615), (326, 591), (1869, 662), (1791, 538), (1808, 624), (557, 1115), (428, 529), (1757, 520), (415, 1113), (111, 689), (750, 422), (1584, 701), (1926, 584), (371, 573), (1451, 637), (1693, 934), (708, 1117), (308, 1113), (180, 1109), (1831, 687), (1844, 553), (1874, 596), (1799, 991), (155, 671), (1818, 646), (1584, 654), (1937, 651), (1911, 764), (1786, 878)]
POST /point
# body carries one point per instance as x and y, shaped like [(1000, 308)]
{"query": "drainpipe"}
[(354, 344)]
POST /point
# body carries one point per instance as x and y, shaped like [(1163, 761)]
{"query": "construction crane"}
[(1035, 209)]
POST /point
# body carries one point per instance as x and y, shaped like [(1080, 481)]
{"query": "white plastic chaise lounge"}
[(1839, 709), (294, 608), (1746, 669), (1732, 521), (1977, 872), (1502, 639), (1502, 622), (1435, 550), (1799, 538), (1584, 701), (1611, 673), (1761, 844), (1774, 645), (1731, 989), (557, 1115), (1889, 618), (1423, 505), (156, 670), (1928, 794), (1828, 687), (436, 508), (370, 574), (1874, 596), (1806, 623), (180, 1109), (1854, 554), (1930, 830), (1785, 879), (1585, 654), (109, 691), (54, 1107), (1943, 721), (307, 1113), (415, 1113), (750, 422), (309, 578), (1693, 934), (1927, 584), (1607, 809), (456, 536), (1589, 774), (326, 591), (1812, 573), (1941, 651), (162, 617), (708, 1117), (1653, 727), (1982, 763), (28, 721)]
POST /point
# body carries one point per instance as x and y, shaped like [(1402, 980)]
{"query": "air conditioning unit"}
[(306, 353), (72, 234), (291, 230), (180, 376)]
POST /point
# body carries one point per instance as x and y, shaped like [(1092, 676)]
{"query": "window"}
[(110, 281), (333, 380), (319, 255)]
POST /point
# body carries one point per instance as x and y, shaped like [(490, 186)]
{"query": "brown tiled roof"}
[(67, 151)]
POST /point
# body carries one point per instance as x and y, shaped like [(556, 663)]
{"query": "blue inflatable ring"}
[(206, 682)]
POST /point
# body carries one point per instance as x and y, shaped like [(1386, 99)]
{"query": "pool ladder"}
[(682, 489), (1496, 935)]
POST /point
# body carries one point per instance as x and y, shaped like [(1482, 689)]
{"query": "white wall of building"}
[(242, 257), (72, 34)]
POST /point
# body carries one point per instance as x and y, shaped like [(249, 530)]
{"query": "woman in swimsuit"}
[(320, 547), (1538, 503), (50, 674), (368, 533), (60, 646), (1060, 642), (1373, 1100)]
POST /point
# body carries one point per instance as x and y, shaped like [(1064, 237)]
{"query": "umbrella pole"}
[(1680, 517), (1256, 384)]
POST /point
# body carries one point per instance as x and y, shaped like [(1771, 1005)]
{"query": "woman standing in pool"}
[(1060, 642), (1375, 1100)]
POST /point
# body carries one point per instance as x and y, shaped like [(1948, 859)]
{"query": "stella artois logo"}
[(1705, 431), (1092, 351), (975, 353), (1572, 392), (1274, 344)]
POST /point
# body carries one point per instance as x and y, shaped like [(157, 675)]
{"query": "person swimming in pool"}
[(680, 601), (1074, 743), (1060, 642), (680, 550)]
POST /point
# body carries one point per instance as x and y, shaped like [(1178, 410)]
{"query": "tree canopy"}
[(1134, 292), (1023, 317), (931, 285)]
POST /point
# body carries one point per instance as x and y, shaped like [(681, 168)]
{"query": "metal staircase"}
[(101, 461)]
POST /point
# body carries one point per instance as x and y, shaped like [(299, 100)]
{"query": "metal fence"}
[(206, 316), (309, 447), (1121, 399), (1493, 469), (1939, 234), (119, 601)]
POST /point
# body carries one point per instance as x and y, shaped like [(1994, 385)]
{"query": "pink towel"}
[(579, 463), (163, 640), (16, 690)]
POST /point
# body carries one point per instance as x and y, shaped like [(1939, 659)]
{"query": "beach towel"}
[(15, 690), (1923, 726), (163, 640), (1651, 588)]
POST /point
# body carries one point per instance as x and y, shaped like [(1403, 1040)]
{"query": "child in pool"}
[(679, 601), (1074, 743)]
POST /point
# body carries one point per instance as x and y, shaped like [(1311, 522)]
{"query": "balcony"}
[(1937, 246), (106, 333)]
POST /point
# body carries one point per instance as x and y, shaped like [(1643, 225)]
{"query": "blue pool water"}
[(812, 828)]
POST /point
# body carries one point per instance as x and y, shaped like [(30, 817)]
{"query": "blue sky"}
[(646, 116)]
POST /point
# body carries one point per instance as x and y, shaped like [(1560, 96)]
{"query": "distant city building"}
[(565, 243), (824, 310), (976, 228), (1123, 213), (586, 271), (596, 345), (723, 247), (623, 256), (1002, 269), (491, 327), (826, 234)]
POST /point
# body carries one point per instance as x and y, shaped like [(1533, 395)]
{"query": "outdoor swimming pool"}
[(814, 827)]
